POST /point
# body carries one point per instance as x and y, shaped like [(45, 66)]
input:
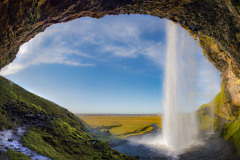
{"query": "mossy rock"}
[(60, 141), (15, 155), (226, 121)]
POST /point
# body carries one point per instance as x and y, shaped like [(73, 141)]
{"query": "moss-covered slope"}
[(53, 131), (15, 155), (18, 106), (226, 118)]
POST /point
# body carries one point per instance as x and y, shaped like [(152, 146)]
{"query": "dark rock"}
[(10, 140), (26, 117)]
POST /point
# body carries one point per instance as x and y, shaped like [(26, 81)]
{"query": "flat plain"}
[(122, 126)]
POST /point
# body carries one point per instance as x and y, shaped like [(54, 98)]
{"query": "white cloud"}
[(34, 53), (11, 69), (86, 41), (208, 81), (72, 63), (127, 51)]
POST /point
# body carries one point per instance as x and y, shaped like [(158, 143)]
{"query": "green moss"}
[(60, 127), (206, 122), (205, 116), (4, 123), (33, 139), (60, 141), (231, 129), (216, 105), (14, 155), (231, 133), (226, 118), (23, 101), (235, 138), (220, 99)]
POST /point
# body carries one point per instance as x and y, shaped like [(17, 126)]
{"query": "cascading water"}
[(190, 81), (180, 127), (187, 75)]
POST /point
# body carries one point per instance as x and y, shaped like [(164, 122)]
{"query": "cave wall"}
[(214, 23)]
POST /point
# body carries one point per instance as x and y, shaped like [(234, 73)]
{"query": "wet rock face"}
[(23, 117), (216, 23)]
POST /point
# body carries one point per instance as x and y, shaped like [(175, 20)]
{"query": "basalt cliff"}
[(214, 23)]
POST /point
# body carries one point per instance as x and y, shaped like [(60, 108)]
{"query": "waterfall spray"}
[(180, 127)]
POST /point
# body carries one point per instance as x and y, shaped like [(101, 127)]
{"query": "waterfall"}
[(180, 127)]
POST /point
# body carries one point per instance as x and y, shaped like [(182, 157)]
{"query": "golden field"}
[(122, 126)]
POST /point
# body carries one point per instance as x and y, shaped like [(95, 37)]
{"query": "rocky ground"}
[(11, 139), (212, 147)]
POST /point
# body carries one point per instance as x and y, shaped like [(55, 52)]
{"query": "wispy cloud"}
[(208, 81), (32, 53), (86, 41)]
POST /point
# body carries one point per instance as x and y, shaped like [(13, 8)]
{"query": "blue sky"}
[(110, 65)]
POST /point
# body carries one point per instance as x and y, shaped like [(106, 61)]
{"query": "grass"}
[(35, 136), (122, 126), (137, 132), (232, 128), (15, 155)]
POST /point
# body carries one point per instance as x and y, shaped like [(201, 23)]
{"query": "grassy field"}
[(122, 126)]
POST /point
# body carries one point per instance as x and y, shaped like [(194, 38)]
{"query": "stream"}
[(11, 139), (212, 147)]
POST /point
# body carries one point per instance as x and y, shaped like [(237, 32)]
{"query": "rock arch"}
[(215, 23)]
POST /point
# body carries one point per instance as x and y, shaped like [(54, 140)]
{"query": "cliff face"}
[(216, 23), (226, 119)]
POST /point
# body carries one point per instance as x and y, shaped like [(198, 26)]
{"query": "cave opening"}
[(215, 23), (84, 43), (133, 43)]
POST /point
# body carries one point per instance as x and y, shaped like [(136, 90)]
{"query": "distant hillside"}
[(53, 131)]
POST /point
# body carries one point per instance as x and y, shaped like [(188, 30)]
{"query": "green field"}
[(122, 126)]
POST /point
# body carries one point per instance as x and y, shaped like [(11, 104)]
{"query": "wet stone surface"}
[(11, 139), (213, 148)]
